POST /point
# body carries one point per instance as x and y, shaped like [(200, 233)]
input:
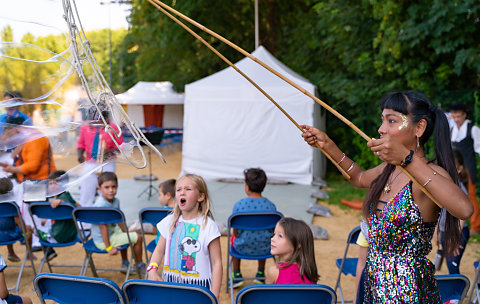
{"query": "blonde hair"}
[(203, 207)]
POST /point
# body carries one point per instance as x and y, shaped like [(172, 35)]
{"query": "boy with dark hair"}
[(166, 193), (252, 242), (112, 236)]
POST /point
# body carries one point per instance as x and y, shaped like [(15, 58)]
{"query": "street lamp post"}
[(110, 35)]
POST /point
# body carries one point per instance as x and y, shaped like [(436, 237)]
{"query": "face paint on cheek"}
[(404, 122)]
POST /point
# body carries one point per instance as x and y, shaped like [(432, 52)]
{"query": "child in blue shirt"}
[(252, 242), (112, 236)]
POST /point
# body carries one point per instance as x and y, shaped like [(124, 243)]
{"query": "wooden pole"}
[(158, 3), (345, 174)]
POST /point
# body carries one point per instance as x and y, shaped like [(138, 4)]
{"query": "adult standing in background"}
[(94, 147), (13, 111), (465, 138)]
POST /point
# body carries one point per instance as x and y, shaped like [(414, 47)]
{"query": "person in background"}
[(13, 111), (252, 242), (465, 138), (112, 236), (94, 147)]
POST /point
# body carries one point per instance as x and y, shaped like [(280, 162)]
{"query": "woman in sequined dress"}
[(401, 217)]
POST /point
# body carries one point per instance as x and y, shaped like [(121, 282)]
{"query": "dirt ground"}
[(326, 252)]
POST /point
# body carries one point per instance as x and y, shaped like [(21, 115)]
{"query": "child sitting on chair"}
[(112, 236), (10, 228), (293, 247), (166, 198), (252, 242), (61, 231), (5, 296)]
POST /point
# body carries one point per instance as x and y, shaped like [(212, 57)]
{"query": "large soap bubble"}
[(53, 96)]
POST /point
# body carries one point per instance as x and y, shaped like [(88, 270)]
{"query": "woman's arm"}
[(359, 178), (215, 252), (433, 178), (272, 274), (157, 258)]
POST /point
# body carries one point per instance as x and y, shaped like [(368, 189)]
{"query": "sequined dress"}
[(398, 270)]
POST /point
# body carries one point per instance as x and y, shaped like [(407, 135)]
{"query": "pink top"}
[(290, 275), (87, 136)]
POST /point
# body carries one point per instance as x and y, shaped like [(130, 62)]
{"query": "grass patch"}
[(338, 189)]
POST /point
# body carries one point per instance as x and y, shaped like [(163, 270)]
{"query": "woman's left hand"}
[(388, 150)]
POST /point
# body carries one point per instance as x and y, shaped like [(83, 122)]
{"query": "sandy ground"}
[(338, 227)]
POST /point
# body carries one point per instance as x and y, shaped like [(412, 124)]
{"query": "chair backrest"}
[(98, 215), (45, 211), (9, 209), (283, 294), (153, 215), (452, 286), (261, 220), (70, 289), (353, 235), (142, 291)]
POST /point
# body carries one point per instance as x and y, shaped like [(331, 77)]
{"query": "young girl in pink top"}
[(292, 245)]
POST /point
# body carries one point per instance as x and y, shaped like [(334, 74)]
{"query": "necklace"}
[(388, 186)]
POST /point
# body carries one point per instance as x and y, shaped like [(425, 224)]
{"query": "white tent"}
[(153, 93), (230, 126)]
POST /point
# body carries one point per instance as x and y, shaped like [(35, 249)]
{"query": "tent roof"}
[(227, 82), (147, 93)]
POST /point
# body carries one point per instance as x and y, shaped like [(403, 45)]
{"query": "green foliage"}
[(339, 188)]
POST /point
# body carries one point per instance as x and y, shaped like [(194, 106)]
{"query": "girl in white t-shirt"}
[(190, 240)]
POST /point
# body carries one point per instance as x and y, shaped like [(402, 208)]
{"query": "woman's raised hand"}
[(313, 136), (388, 149)]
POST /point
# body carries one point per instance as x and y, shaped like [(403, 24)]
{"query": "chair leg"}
[(341, 293), (231, 283), (474, 289)]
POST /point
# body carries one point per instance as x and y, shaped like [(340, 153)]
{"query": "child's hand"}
[(113, 251), (153, 276), (44, 221), (55, 202)]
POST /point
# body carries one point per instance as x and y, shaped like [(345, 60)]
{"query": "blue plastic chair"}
[(347, 266), (11, 210), (452, 286), (474, 294), (286, 294), (63, 211), (262, 220), (98, 216), (151, 215), (70, 289), (142, 291)]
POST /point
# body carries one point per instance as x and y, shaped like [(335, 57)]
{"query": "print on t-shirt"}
[(182, 257)]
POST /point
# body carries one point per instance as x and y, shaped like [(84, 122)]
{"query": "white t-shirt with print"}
[(187, 259)]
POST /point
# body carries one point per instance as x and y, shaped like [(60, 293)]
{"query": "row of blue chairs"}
[(69, 289)]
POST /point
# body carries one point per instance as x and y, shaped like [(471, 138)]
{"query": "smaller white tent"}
[(230, 126), (153, 93)]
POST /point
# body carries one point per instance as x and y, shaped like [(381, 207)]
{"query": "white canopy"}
[(151, 93), (230, 126)]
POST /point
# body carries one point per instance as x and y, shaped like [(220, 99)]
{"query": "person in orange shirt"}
[(33, 160)]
